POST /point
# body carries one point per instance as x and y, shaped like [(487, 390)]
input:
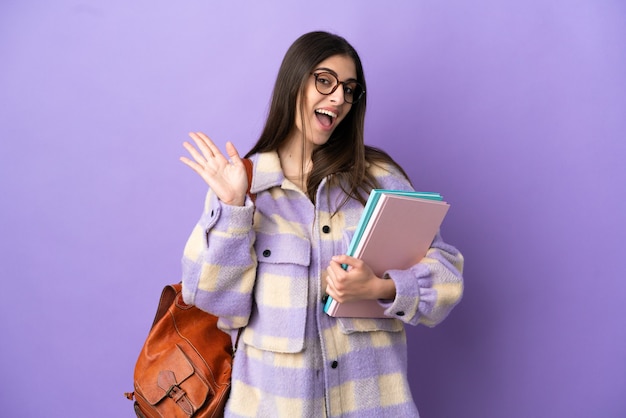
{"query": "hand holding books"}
[(351, 278)]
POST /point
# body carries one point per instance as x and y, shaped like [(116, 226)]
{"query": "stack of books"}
[(394, 232)]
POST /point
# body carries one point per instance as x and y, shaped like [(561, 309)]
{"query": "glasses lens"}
[(325, 82), (352, 92)]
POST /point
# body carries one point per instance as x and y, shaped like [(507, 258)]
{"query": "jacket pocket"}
[(352, 325), (278, 315)]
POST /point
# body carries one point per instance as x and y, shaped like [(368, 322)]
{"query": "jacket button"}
[(334, 364), (326, 229), (400, 313), (267, 253)]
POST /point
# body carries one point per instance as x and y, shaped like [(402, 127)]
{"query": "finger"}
[(192, 164), (329, 279), (202, 142), (215, 151), (200, 159), (345, 261), (330, 274), (232, 152), (331, 269), (333, 287), (336, 274), (330, 291)]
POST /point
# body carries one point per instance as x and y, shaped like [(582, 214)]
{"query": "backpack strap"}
[(248, 163)]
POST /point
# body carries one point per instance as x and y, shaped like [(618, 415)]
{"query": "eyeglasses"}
[(326, 83)]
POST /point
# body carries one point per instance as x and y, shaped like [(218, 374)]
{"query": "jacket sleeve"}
[(219, 262), (426, 292)]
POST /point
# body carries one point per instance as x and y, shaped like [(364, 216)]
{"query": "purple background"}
[(515, 111)]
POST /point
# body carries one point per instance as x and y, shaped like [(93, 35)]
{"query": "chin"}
[(320, 141), (322, 137)]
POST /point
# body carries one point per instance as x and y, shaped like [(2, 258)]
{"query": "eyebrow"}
[(328, 70)]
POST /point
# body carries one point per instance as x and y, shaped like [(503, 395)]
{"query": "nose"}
[(337, 96)]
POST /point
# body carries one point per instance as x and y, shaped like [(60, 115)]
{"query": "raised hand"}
[(225, 176)]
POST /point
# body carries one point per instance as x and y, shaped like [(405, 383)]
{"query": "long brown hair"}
[(344, 157)]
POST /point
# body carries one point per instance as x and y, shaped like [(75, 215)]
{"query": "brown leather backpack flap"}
[(175, 375)]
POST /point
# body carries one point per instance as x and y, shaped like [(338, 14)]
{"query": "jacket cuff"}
[(412, 299), (227, 218)]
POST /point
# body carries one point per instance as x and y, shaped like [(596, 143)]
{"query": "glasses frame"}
[(318, 73)]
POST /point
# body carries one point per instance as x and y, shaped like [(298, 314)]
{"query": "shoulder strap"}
[(248, 163)]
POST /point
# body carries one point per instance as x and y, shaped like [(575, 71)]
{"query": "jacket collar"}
[(266, 171)]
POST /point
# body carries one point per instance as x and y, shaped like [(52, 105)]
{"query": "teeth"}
[(326, 112)]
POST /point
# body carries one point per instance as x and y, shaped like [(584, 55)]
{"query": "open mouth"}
[(325, 117)]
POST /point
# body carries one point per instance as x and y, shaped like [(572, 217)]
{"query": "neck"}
[(295, 160)]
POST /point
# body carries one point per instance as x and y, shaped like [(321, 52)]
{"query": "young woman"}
[(266, 267)]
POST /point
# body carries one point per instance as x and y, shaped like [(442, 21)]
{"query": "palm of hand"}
[(225, 176)]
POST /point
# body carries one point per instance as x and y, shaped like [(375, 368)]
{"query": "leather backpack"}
[(184, 366)]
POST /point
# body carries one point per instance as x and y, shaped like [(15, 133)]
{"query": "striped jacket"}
[(258, 267)]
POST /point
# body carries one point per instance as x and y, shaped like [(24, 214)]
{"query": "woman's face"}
[(322, 113)]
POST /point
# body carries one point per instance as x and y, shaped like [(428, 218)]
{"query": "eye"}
[(348, 89), (324, 79)]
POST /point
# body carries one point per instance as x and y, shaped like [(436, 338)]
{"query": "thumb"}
[(232, 152)]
